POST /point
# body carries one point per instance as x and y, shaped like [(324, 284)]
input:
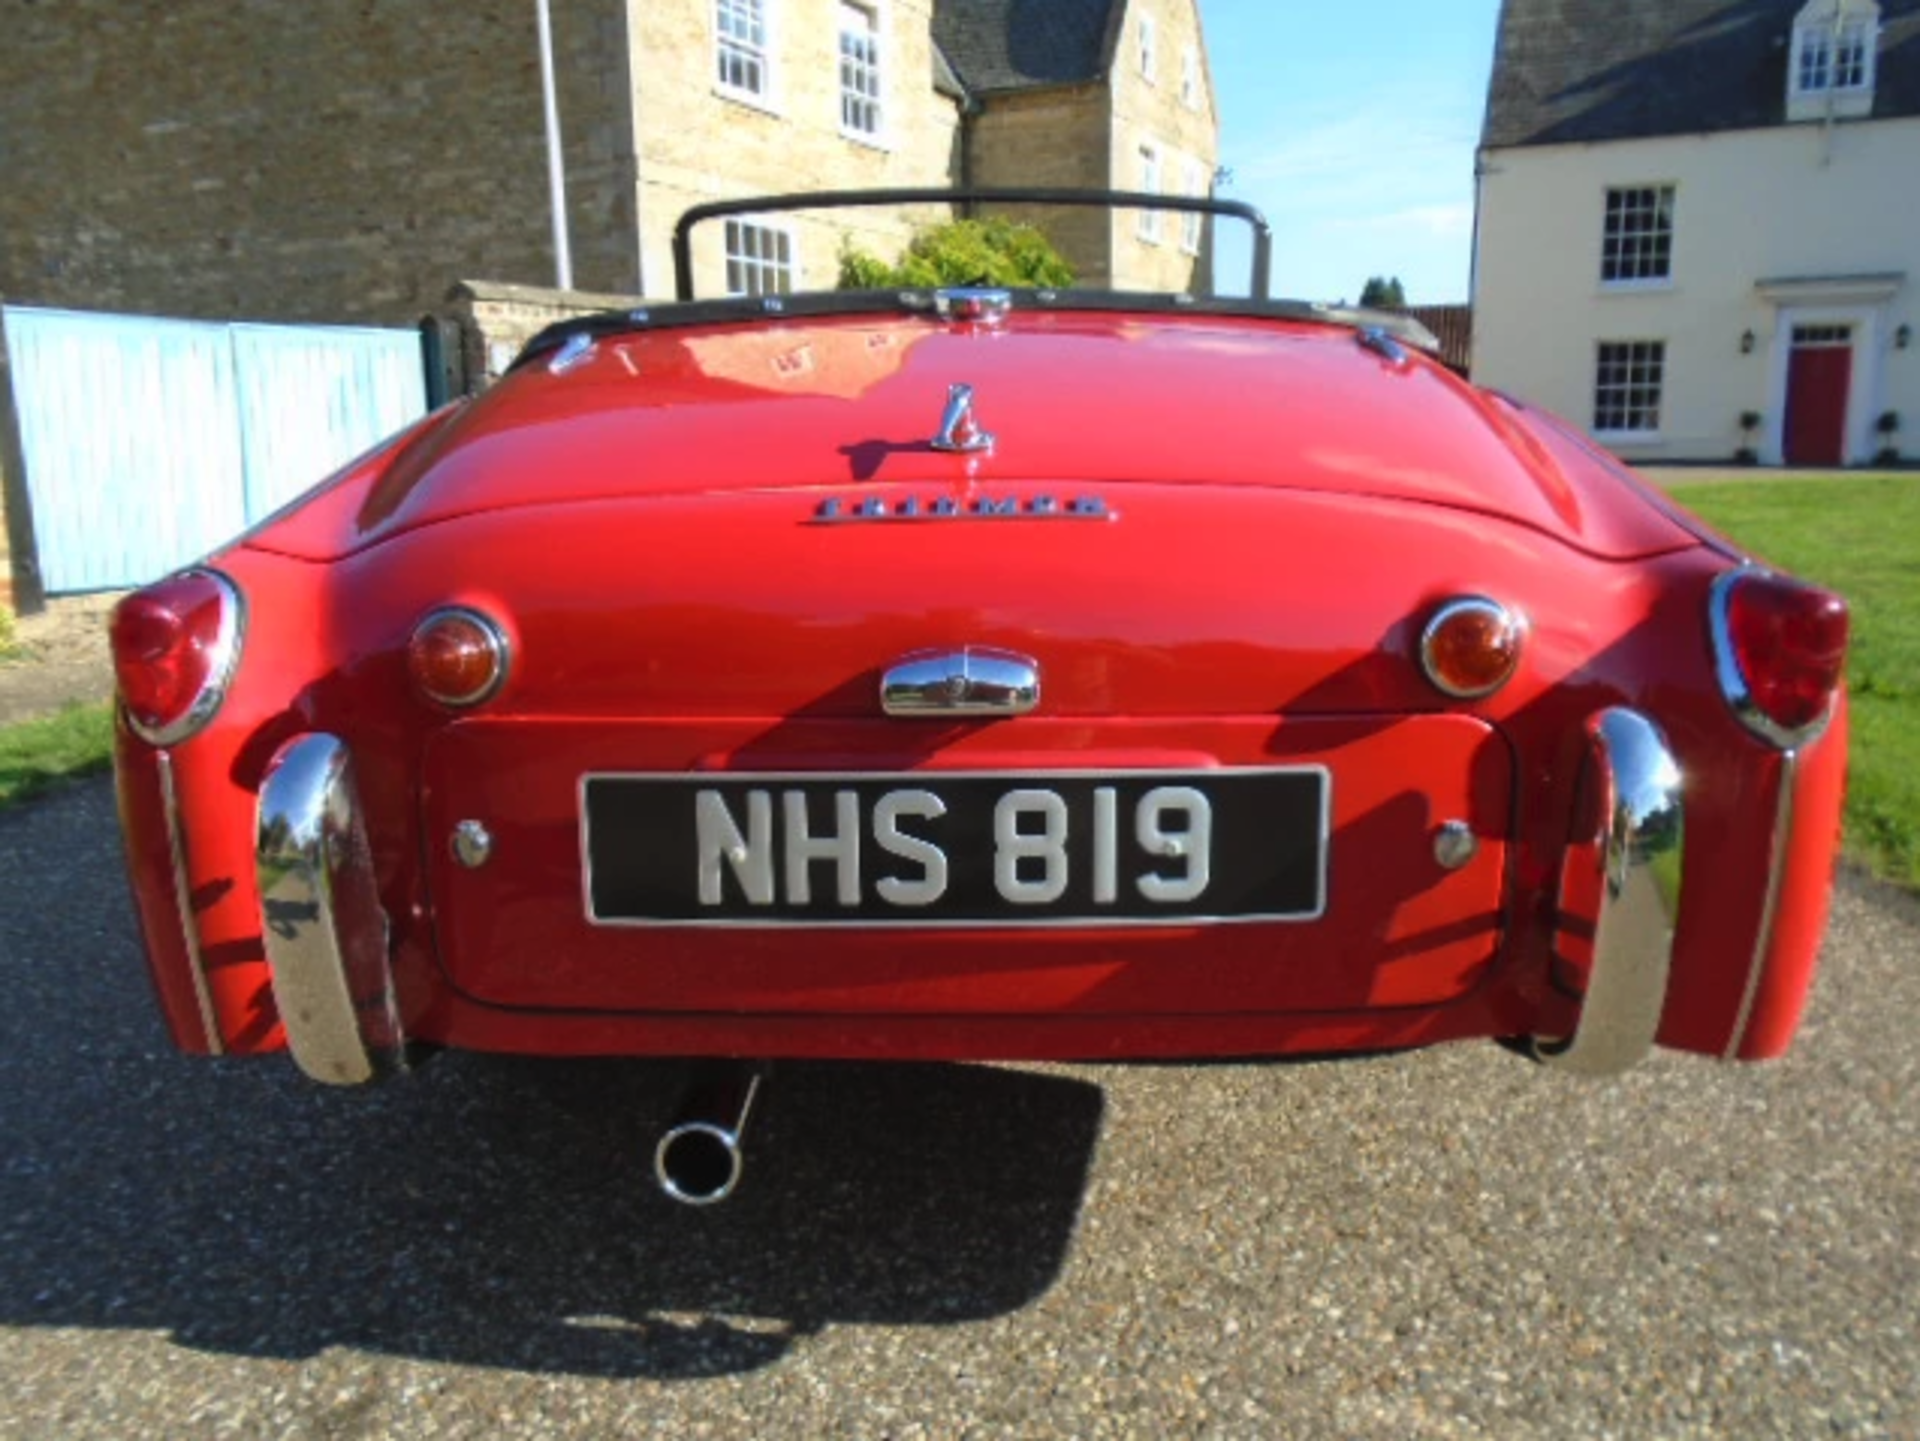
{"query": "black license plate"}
[(956, 847)]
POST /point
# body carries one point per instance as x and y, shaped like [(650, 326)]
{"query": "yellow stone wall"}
[(700, 142), (1148, 107)]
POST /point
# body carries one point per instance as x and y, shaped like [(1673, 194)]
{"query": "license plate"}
[(955, 848)]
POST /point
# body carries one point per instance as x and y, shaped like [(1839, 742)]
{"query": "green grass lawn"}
[(1861, 536), (36, 755)]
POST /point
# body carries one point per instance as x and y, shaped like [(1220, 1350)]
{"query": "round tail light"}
[(1780, 646), (1471, 647), (175, 645), (458, 657)]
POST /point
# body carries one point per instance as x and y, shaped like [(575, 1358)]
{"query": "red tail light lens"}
[(1780, 646), (175, 645), (1471, 647), (458, 657)]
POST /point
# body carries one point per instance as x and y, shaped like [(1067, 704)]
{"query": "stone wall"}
[(304, 162), (701, 142), (1052, 138), (495, 320), (1150, 106)]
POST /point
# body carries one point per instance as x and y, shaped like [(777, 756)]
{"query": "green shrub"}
[(994, 251)]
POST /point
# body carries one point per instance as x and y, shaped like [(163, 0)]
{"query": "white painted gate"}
[(150, 442)]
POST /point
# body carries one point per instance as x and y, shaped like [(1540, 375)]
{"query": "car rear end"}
[(1257, 689)]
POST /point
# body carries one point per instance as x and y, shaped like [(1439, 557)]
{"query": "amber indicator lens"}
[(457, 657), (1472, 647), (1790, 642), (165, 641)]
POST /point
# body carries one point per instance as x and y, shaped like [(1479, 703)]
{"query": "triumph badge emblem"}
[(959, 431)]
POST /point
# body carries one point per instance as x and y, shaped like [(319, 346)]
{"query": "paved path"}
[(1447, 1243)]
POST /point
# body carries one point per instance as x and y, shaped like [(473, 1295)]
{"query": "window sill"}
[(765, 104), (1638, 287), (1628, 437), (881, 142)]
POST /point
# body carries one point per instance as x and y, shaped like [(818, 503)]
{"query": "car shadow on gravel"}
[(488, 1211)]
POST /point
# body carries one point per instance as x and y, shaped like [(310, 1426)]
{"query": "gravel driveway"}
[(1446, 1243)]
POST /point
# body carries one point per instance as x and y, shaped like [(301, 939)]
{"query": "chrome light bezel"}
[(223, 661), (1461, 605), (497, 643), (1732, 680)]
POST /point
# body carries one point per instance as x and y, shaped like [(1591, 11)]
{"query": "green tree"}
[(994, 251), (1380, 293)]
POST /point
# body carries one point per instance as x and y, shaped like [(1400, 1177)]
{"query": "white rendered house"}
[(1698, 228)]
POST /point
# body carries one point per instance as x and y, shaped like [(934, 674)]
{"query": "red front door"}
[(1819, 372)]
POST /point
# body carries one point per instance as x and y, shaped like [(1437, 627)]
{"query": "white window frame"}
[(1632, 241), (725, 45), (1190, 77), (737, 250), (1148, 158), (1637, 351), (1192, 222), (1829, 42), (876, 31), (1149, 49)]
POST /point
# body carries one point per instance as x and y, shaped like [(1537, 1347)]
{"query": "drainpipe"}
[(556, 165)]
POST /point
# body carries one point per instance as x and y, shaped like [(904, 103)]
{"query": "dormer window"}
[(1834, 58), (1831, 70)]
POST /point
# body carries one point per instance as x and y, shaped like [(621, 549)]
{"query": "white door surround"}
[(1859, 302)]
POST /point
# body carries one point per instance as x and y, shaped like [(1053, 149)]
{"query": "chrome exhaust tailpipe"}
[(699, 1158)]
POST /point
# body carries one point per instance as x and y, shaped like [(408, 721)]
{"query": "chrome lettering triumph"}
[(839, 510)]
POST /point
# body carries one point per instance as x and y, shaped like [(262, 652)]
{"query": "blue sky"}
[(1352, 125)]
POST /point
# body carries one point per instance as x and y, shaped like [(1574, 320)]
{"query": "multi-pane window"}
[(859, 69), (1637, 243), (1626, 386), (759, 259), (1145, 33), (1150, 182), (1190, 220), (1190, 78), (740, 43), (1834, 59)]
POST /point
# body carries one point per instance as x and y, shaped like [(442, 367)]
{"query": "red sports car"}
[(978, 674)]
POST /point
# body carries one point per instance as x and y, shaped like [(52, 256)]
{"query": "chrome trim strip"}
[(1376, 339), (1507, 616), (575, 351), (928, 777), (223, 661), (183, 902), (321, 922), (1642, 848), (1733, 684), (497, 642), (1770, 907), (970, 683), (982, 305)]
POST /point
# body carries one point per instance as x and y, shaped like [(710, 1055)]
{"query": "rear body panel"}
[(1280, 510), (1398, 929)]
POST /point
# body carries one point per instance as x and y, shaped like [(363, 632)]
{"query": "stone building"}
[(345, 162)]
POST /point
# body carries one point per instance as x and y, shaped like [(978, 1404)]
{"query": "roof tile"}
[(1569, 71)]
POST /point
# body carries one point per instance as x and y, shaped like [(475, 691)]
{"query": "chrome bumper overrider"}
[(325, 934), (1637, 783)]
